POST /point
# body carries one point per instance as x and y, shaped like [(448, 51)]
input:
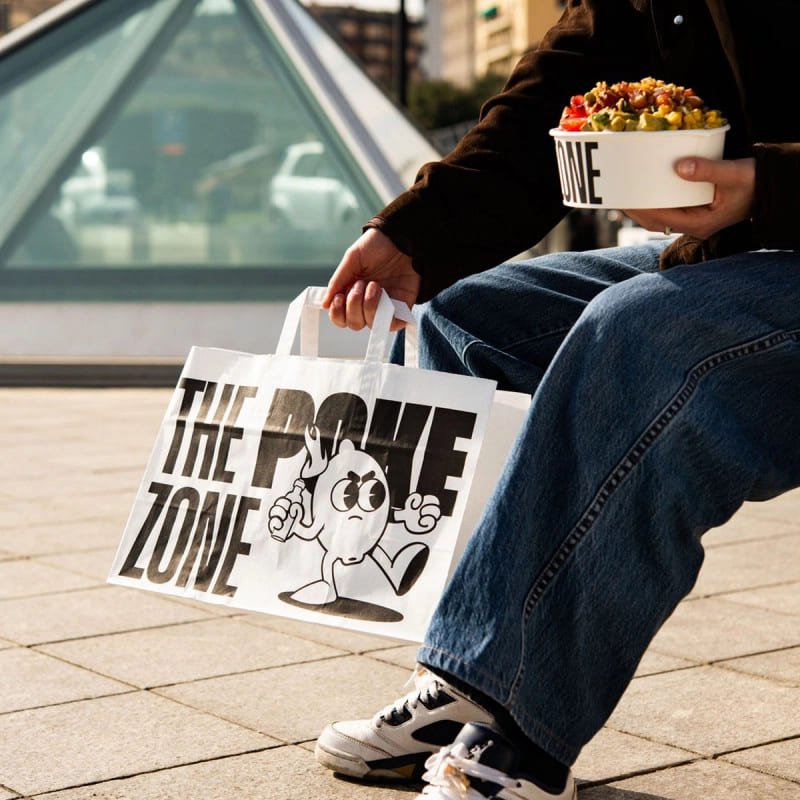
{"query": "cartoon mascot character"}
[(347, 510)]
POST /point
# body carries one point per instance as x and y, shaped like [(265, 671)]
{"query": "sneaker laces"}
[(448, 773), (425, 688)]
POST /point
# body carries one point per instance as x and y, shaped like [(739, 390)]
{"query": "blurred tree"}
[(439, 103)]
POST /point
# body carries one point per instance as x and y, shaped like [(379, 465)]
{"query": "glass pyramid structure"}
[(187, 150)]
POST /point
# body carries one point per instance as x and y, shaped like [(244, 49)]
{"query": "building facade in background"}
[(14, 13), (454, 23), (467, 39), (505, 29), (373, 38)]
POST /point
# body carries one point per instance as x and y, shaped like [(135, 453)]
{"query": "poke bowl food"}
[(617, 145)]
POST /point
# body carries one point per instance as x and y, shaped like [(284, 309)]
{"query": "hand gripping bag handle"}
[(304, 312)]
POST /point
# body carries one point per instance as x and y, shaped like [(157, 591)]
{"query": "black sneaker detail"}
[(401, 715), (410, 765), (553, 773), (495, 750), (442, 699), (398, 716), (439, 733), (489, 747)]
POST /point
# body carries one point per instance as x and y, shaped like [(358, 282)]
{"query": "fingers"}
[(687, 168), (734, 186), (335, 299), (361, 304), (336, 310), (355, 308), (705, 169), (372, 298)]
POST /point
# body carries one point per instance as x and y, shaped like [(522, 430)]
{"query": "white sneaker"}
[(397, 741), (481, 764)]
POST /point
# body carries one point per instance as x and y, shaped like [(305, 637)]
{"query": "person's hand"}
[(371, 263), (734, 185)]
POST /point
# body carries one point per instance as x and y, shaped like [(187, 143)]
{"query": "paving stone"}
[(780, 665), (211, 609), (7, 795), (703, 780), (29, 680), (54, 464), (181, 653), (750, 565), (88, 612), (781, 759), (654, 662), (27, 475), (25, 577), (65, 531), (48, 749), (285, 773), (784, 598), (785, 508), (90, 563), (353, 641), (404, 656), (295, 703), (711, 629), (91, 492), (611, 754), (744, 527), (708, 710)]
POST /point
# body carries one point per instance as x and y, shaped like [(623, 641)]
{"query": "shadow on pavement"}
[(611, 793)]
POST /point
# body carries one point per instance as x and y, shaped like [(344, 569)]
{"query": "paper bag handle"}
[(304, 312)]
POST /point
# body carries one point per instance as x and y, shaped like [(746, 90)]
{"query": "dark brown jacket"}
[(498, 192)]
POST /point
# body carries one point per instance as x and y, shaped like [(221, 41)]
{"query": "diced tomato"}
[(576, 101), (573, 123)]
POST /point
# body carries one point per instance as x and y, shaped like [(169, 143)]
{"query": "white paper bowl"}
[(633, 169)]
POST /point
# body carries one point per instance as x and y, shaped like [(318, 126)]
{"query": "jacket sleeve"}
[(775, 205), (498, 193)]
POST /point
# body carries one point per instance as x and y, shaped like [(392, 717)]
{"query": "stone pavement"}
[(118, 693)]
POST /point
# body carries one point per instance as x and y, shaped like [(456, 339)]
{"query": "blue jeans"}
[(661, 401)]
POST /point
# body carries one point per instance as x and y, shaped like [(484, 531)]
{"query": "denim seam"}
[(507, 350), (626, 466)]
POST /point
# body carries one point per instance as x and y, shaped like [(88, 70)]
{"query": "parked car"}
[(95, 194), (307, 193)]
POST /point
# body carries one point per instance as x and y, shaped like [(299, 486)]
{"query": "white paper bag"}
[(323, 489)]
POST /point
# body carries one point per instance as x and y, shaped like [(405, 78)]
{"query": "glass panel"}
[(29, 109), (397, 148), (218, 156)]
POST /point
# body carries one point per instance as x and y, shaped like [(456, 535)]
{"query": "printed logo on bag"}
[(342, 501), (321, 489)]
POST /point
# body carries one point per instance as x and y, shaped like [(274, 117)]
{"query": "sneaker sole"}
[(343, 763), (403, 768)]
